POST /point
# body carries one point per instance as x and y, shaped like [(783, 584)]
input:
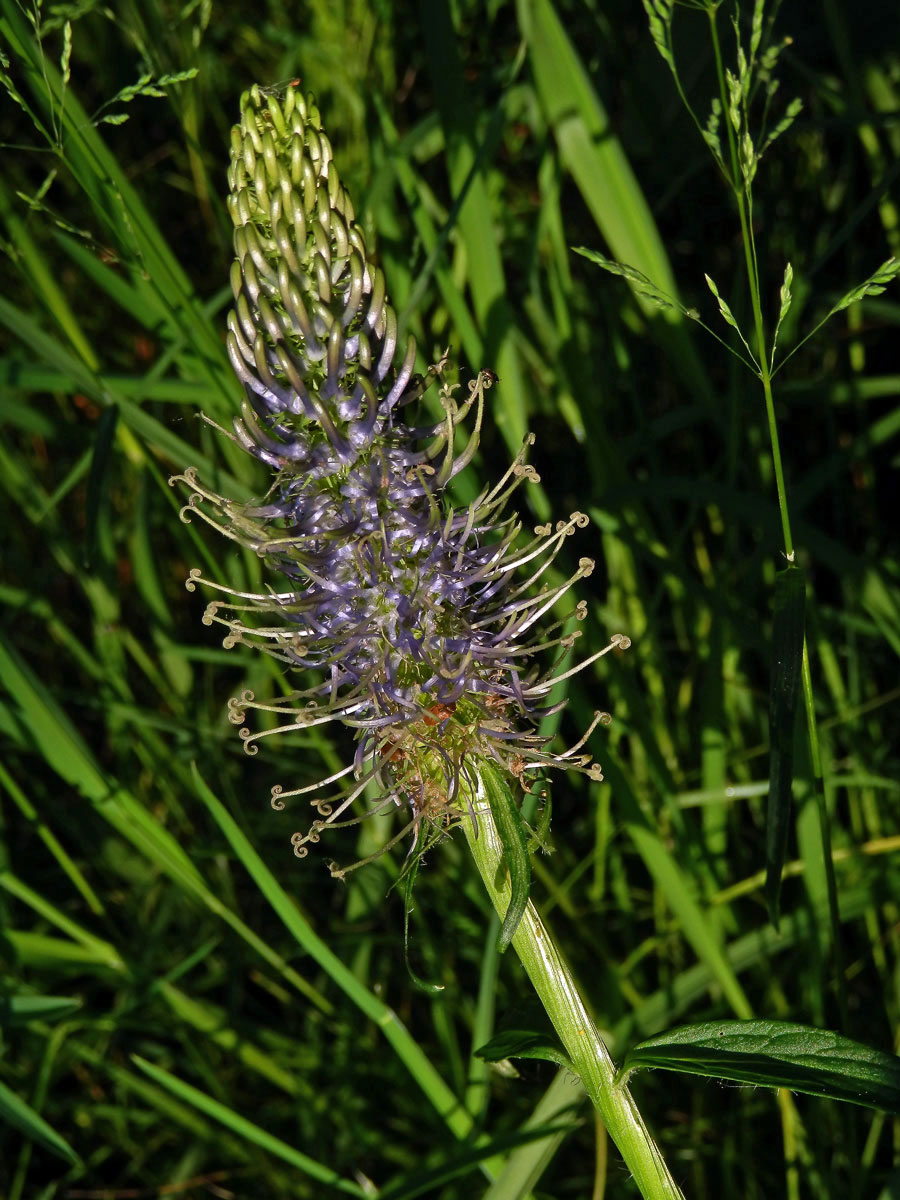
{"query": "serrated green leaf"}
[(524, 1043), (787, 655), (777, 1054)]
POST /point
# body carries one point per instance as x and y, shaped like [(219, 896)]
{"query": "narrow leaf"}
[(17, 1010), (407, 884), (777, 1054), (15, 1112), (539, 838), (247, 1130), (787, 654), (103, 442), (523, 1043), (516, 860)]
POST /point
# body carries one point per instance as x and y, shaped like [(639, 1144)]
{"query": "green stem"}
[(743, 199), (553, 982)]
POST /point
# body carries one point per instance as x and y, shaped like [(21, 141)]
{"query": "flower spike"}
[(415, 616)]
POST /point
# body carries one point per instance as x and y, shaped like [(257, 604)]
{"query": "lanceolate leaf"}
[(777, 1054), (523, 1043), (513, 835), (15, 1112), (16, 1010)]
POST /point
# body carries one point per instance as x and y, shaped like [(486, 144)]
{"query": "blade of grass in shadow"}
[(212, 1021), (115, 201), (56, 738), (407, 1050), (42, 280), (558, 1106), (433, 243), (200, 1015), (101, 951), (14, 1111), (484, 265), (65, 861), (787, 653), (675, 887), (246, 1129), (594, 157), (48, 350)]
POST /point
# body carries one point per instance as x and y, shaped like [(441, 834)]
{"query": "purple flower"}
[(420, 623)]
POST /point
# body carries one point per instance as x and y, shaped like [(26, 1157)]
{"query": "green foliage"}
[(244, 1022), (776, 1054), (522, 1043)]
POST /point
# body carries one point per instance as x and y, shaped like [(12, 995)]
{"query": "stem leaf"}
[(516, 860), (777, 1054), (524, 1043)]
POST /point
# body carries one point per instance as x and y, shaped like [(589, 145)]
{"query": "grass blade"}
[(18, 1114), (787, 654), (246, 1129)]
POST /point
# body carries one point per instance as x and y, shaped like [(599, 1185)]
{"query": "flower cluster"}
[(414, 620)]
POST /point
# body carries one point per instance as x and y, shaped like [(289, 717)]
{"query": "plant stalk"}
[(556, 989), (743, 199)]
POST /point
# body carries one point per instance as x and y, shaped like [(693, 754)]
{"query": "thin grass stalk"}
[(749, 244)]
